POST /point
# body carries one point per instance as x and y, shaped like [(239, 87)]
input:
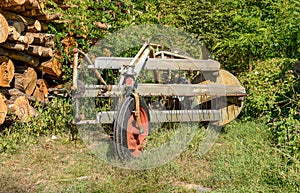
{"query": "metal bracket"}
[(137, 112)]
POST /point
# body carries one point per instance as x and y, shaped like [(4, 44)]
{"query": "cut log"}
[(47, 52), (17, 92), (31, 13), (3, 108), (10, 3), (49, 16), (44, 26), (18, 8), (4, 30), (51, 67), (6, 71), (12, 16), (35, 27), (18, 25), (34, 50), (20, 56), (13, 35), (29, 81), (41, 90), (26, 81), (34, 4), (39, 51), (44, 39), (13, 46), (19, 106), (16, 17), (24, 40)]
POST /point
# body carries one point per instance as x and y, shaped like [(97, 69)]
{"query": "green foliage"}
[(54, 119), (274, 96), (239, 32)]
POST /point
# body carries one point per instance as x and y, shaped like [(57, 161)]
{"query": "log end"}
[(7, 71), (4, 29), (3, 108)]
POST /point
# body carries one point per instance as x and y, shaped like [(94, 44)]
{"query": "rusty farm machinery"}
[(155, 86)]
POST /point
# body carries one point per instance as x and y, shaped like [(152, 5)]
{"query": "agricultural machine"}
[(155, 86)]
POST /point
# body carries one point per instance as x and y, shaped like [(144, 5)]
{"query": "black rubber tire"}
[(120, 129)]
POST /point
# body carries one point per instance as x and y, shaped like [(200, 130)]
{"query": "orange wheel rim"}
[(135, 140)]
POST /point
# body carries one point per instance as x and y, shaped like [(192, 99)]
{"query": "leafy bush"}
[(274, 96), (238, 32)]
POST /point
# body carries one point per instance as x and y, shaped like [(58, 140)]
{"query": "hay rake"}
[(156, 86)]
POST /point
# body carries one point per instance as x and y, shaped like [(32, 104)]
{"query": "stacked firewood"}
[(27, 57)]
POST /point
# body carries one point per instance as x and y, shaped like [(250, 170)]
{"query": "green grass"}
[(242, 160), (246, 162)]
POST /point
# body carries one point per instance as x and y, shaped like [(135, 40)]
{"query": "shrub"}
[(274, 92), (54, 119)]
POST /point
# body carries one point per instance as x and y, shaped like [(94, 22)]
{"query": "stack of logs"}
[(27, 56)]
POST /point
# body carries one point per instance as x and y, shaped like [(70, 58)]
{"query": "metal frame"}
[(131, 68)]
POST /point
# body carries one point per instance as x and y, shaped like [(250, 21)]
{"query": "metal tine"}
[(206, 103)]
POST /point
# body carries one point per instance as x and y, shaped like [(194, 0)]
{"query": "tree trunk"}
[(6, 71), (26, 81), (3, 108), (3, 29)]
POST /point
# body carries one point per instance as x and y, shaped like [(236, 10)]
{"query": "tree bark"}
[(24, 40), (18, 25), (13, 46), (13, 16), (34, 4), (44, 39), (39, 51), (10, 3), (3, 29), (6, 71), (20, 56), (34, 50), (49, 16)]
